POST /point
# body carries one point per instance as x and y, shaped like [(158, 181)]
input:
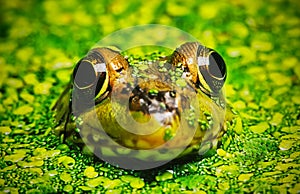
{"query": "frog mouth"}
[(151, 119)]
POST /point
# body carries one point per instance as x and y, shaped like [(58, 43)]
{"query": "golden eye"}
[(202, 66), (94, 75), (212, 69), (90, 74), (84, 74)]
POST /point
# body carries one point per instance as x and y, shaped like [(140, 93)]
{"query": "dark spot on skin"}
[(145, 109), (163, 151), (90, 138), (161, 97), (120, 70)]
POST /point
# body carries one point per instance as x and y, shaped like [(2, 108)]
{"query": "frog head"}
[(118, 109)]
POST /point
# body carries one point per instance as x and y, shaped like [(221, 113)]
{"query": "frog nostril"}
[(172, 94)]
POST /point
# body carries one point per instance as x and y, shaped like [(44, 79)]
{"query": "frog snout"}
[(164, 106)]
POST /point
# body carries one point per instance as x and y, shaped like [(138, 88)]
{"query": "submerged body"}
[(151, 111)]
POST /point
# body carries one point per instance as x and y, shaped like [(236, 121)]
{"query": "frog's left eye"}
[(212, 69), (203, 66)]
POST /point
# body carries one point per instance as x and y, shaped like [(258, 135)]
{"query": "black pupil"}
[(217, 65), (84, 74)]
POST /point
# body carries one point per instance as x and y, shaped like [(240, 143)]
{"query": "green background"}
[(41, 40)]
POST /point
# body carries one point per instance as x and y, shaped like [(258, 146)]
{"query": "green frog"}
[(130, 111)]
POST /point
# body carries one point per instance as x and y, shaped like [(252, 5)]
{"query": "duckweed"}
[(52, 173), (113, 184), (15, 83), (36, 170), (137, 183), (221, 152), (66, 177), (42, 88), (259, 128), (41, 41), (280, 79), (269, 103), (165, 176), (67, 161), (245, 177), (224, 186), (14, 157), (286, 144), (295, 155), (238, 126), (90, 172), (30, 164), (103, 181), (30, 79), (230, 170), (68, 188), (181, 83), (276, 119), (261, 45), (2, 181), (27, 97), (285, 166), (292, 129), (5, 130), (23, 110)]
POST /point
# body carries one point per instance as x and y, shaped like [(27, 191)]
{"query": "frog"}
[(132, 111)]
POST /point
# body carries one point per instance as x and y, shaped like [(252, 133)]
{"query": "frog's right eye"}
[(96, 73), (85, 74), (91, 77)]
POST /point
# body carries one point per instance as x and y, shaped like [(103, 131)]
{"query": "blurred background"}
[(40, 41)]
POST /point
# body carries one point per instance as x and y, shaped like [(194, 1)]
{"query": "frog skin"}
[(151, 110)]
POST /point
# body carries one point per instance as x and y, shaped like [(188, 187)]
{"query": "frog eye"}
[(204, 67), (84, 74), (90, 74), (212, 69), (96, 73)]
